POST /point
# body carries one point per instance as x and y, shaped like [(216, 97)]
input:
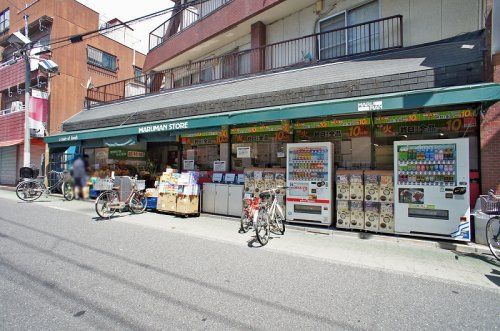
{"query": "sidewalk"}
[(470, 264)]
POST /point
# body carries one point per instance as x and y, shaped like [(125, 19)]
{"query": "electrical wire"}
[(79, 37)]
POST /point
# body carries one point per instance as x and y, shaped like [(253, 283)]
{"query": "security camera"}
[(48, 66), (18, 39)]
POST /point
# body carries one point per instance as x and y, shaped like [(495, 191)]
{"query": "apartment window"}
[(101, 59), (343, 40), (139, 78), (4, 20)]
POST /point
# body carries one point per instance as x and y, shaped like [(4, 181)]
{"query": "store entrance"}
[(164, 154)]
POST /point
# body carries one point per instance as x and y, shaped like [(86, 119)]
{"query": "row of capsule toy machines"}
[(365, 200)]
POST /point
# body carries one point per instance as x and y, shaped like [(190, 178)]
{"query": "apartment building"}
[(96, 60)]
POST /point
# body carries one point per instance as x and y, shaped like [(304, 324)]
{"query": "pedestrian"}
[(79, 176)]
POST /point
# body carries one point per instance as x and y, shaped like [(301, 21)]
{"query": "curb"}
[(465, 248)]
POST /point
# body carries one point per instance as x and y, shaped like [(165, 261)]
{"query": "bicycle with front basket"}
[(490, 205), (32, 189), (110, 201), (264, 215)]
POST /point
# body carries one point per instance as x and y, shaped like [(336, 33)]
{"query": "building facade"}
[(97, 60), (361, 74)]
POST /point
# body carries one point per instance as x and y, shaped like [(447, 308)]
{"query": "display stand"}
[(179, 194)]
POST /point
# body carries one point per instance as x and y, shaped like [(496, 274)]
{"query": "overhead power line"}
[(80, 37)]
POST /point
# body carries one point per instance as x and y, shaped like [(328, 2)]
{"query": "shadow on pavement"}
[(162, 296)]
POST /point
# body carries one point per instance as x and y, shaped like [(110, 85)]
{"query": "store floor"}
[(470, 264)]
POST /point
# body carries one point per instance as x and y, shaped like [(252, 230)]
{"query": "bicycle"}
[(490, 205), (32, 189), (108, 202), (263, 216)]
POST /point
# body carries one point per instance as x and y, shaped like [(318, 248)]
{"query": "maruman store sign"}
[(163, 127)]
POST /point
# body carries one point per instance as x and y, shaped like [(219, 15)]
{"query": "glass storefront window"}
[(203, 149), (351, 138), (424, 125), (267, 147)]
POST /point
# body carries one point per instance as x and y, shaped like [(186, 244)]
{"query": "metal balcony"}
[(348, 42), (183, 17)]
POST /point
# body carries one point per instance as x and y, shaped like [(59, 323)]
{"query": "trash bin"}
[(480, 220)]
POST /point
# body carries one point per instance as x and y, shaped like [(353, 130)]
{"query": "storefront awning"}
[(467, 94)]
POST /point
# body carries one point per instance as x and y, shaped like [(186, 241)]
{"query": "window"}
[(101, 59), (139, 78), (4, 20), (348, 41)]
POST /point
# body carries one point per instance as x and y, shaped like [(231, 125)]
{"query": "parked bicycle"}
[(110, 201), (32, 189), (490, 205), (264, 215)]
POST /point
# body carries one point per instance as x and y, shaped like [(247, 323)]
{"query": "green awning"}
[(467, 94)]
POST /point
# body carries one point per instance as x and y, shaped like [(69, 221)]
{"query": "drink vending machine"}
[(309, 178), (432, 188)]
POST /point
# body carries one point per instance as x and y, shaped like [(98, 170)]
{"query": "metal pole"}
[(27, 83)]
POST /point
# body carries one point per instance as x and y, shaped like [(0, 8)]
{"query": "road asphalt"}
[(62, 268)]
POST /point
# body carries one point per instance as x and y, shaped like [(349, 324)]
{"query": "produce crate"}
[(152, 202)]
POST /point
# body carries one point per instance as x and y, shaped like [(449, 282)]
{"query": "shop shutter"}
[(8, 165)]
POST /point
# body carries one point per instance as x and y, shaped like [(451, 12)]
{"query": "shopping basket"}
[(490, 204), (103, 184)]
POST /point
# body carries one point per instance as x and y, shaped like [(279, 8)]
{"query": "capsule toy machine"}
[(431, 188), (309, 180)]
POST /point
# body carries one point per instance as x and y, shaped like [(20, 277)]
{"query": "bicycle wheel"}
[(67, 191), (102, 204), (245, 223), (278, 221), (29, 190), (262, 227), (493, 236), (138, 203)]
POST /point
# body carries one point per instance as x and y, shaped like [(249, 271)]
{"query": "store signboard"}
[(432, 116), (333, 123), (188, 164), (371, 105), (329, 134), (243, 152), (126, 154), (219, 166), (257, 129), (426, 123)]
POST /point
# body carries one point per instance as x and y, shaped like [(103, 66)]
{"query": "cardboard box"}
[(167, 202), (372, 216), (187, 204)]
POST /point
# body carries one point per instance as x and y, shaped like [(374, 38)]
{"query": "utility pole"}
[(27, 86)]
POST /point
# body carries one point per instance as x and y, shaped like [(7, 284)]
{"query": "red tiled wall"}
[(11, 75), (12, 126), (490, 144)]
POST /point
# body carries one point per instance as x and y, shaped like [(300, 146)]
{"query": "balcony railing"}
[(13, 109), (183, 17), (351, 41)]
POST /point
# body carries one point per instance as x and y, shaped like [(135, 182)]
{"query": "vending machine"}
[(309, 180), (432, 188)]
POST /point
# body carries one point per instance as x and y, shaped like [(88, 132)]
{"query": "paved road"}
[(61, 270)]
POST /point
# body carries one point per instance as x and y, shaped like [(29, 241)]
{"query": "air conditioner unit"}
[(16, 106)]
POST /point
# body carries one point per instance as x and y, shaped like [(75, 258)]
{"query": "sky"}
[(126, 10)]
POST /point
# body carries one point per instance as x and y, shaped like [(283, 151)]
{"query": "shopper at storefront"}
[(80, 176)]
